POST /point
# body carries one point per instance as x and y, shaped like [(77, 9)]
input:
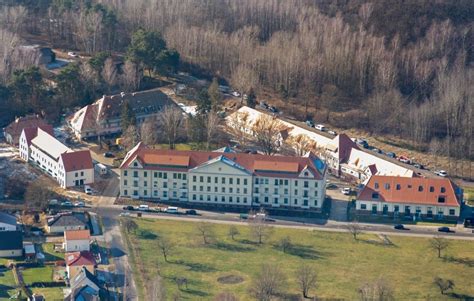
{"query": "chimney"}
[(122, 94), (17, 119)]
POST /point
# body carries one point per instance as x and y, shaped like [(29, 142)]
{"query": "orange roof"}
[(276, 166), (77, 234), (166, 159), (77, 160), (423, 191)]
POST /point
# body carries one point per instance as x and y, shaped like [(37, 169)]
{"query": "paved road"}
[(112, 237)]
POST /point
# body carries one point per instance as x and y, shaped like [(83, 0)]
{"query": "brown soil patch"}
[(230, 279)]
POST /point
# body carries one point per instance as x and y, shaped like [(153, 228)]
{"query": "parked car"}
[(173, 210), (320, 127), (419, 166), (88, 189), (131, 208), (66, 204), (191, 212), (391, 155), (263, 105), (310, 123), (404, 159), (143, 208), (400, 227), (441, 173), (346, 191), (331, 186), (108, 155), (124, 214), (362, 142), (72, 54), (445, 230), (235, 93), (53, 202), (376, 150), (332, 133), (273, 109), (79, 204)]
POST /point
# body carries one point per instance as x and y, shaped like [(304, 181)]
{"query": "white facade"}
[(221, 181), (412, 209), (76, 245), (7, 227), (11, 253), (48, 154)]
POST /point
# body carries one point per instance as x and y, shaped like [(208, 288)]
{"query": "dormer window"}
[(399, 187), (441, 199), (305, 173), (375, 195), (443, 190), (135, 164), (420, 188), (376, 185), (387, 186), (432, 189)]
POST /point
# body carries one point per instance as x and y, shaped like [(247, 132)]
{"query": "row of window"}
[(266, 200), (285, 191), (216, 180), (409, 186), (280, 182), (223, 199), (223, 189), (407, 209), (159, 175)]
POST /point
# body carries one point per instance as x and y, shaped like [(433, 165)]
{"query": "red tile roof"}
[(262, 165), (29, 121), (77, 235), (31, 132), (170, 160), (77, 160), (80, 258), (421, 191)]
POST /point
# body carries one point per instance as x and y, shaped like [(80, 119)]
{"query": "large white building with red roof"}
[(419, 198), (230, 179), (68, 167)]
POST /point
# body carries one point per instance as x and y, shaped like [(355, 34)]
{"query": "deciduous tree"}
[(170, 120), (166, 247), (378, 290), (443, 285), (439, 244), (306, 278), (267, 133), (206, 232), (269, 282)]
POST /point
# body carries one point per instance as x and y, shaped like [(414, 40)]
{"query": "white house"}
[(76, 240), (7, 222), (11, 244), (69, 168), (67, 221), (412, 198), (224, 179)]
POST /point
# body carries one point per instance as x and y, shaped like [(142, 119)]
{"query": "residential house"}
[(8, 222), (13, 131), (68, 221), (11, 244), (224, 179), (338, 151), (76, 261), (69, 168), (76, 240), (86, 287), (413, 198), (103, 117), (27, 135)]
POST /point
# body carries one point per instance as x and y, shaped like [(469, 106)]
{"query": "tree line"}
[(403, 69)]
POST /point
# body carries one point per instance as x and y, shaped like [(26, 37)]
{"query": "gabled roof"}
[(69, 219), (32, 132), (83, 293), (260, 165), (29, 121), (225, 149), (77, 160), (81, 279), (77, 235), (343, 145), (7, 219), (423, 191), (49, 144), (80, 258), (11, 240)]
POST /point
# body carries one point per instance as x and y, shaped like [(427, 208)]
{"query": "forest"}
[(402, 68)]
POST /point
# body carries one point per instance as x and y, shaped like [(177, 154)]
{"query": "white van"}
[(320, 127), (143, 207), (101, 169), (172, 210)]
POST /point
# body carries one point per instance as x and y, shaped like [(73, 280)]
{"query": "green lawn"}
[(342, 264), (39, 274), (469, 195), (50, 254), (7, 282), (53, 293)]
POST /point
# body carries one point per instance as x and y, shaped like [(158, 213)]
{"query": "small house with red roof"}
[(13, 131), (75, 261), (77, 240), (224, 179), (412, 198), (68, 167)]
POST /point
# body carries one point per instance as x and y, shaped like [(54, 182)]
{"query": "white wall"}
[(77, 245), (7, 227), (11, 253), (85, 174)]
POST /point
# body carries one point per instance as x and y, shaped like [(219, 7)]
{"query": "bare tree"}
[(171, 118), (239, 128), (378, 290), (439, 244), (306, 278), (354, 229), (166, 247), (109, 74), (130, 137), (269, 282), (225, 296), (130, 225), (444, 285), (233, 231), (267, 133), (206, 231), (149, 131), (243, 79), (301, 144), (212, 127), (38, 194), (260, 230), (285, 244), (131, 77)]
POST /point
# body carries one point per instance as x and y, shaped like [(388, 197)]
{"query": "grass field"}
[(7, 282), (469, 195), (342, 263)]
